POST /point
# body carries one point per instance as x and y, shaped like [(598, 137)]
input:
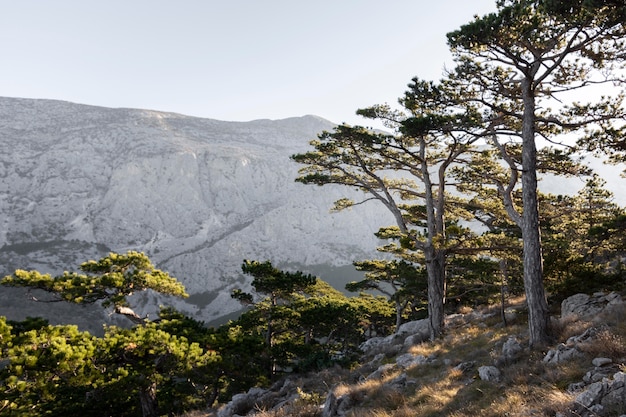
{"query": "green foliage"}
[(271, 281), (145, 357), (109, 280), (303, 322), (584, 241), (49, 372), (58, 370), (402, 282)]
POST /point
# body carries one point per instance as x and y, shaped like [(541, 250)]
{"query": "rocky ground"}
[(480, 367)]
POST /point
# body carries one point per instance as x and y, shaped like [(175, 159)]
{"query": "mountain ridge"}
[(197, 195)]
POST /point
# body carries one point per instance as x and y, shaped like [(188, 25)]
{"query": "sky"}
[(235, 60)]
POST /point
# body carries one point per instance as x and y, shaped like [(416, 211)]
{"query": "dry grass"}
[(309, 410), (563, 329), (606, 344), (528, 386)]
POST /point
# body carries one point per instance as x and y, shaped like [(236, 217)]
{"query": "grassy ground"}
[(528, 386)]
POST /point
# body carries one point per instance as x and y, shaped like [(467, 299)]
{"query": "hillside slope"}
[(197, 195)]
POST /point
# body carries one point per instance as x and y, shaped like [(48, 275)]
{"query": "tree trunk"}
[(149, 405), (538, 315), (435, 262), (399, 310)]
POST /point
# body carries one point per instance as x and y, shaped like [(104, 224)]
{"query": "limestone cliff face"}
[(197, 195)]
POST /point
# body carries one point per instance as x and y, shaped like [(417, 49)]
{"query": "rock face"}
[(583, 305), (196, 195)]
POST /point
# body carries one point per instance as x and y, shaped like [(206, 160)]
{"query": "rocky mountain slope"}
[(197, 195), (478, 368)]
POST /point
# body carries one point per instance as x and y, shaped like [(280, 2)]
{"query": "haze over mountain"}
[(198, 196)]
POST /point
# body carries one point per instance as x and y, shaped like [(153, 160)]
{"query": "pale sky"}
[(234, 60)]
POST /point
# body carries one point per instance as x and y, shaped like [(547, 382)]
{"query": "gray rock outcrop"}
[(602, 398), (489, 373), (196, 195), (583, 305)]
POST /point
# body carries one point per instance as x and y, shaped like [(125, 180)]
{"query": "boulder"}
[(511, 349), (583, 305), (602, 397), (370, 344), (381, 371), (409, 360), (598, 362), (414, 327), (337, 405), (561, 353), (489, 373), (241, 404), (465, 367), (569, 350)]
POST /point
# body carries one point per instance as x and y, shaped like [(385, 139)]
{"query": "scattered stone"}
[(466, 367), (607, 394), (601, 361), (337, 406), (561, 353), (399, 382), (241, 404), (489, 373), (590, 395), (582, 338), (576, 387), (598, 374), (381, 371), (409, 360), (379, 357), (511, 349), (413, 332)]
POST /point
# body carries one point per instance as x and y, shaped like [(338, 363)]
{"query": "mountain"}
[(197, 195)]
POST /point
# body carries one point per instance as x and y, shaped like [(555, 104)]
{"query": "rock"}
[(597, 374), (408, 360), (569, 350), (398, 382), (280, 396), (337, 406), (371, 344), (414, 339), (381, 371), (465, 367), (576, 387), (241, 404), (601, 361), (414, 327), (453, 320), (583, 305), (607, 394), (561, 353), (489, 373), (573, 304), (582, 338), (196, 195), (511, 349), (378, 358), (615, 396)]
